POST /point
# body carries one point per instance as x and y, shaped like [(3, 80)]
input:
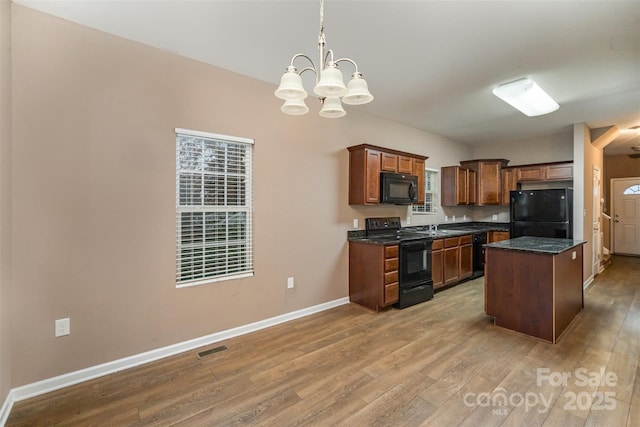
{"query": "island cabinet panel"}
[(538, 294), (569, 299), (373, 275)]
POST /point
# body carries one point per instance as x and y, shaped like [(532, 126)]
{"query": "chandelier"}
[(330, 87)]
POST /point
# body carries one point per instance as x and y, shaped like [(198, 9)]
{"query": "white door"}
[(626, 215)]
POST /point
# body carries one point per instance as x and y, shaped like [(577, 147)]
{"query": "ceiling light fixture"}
[(525, 95), (329, 87)]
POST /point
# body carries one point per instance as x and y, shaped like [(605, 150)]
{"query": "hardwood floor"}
[(435, 364)]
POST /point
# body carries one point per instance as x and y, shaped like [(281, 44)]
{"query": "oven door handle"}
[(414, 245)]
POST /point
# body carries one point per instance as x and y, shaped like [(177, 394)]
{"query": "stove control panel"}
[(384, 223)]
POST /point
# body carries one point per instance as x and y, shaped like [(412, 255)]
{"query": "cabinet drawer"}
[(391, 251), (391, 292), (466, 239), (390, 264), (451, 242), (390, 277), (437, 244)]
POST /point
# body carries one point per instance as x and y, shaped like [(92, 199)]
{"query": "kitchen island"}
[(533, 285)]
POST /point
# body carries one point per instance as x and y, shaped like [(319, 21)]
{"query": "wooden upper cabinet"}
[(417, 166), (532, 173), (405, 165), (366, 162), (472, 192), (389, 162), (559, 171), (509, 183), (488, 184), (454, 183), (364, 177)]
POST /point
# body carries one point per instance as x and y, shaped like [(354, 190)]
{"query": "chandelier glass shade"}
[(330, 87)]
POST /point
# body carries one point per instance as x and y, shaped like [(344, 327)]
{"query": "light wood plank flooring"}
[(439, 363)]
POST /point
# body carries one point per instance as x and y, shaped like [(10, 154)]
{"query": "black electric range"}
[(414, 259)]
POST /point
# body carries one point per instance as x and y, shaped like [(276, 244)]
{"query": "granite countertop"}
[(545, 245), (453, 230)]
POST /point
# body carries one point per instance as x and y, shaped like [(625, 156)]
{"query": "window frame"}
[(434, 193), (205, 210)]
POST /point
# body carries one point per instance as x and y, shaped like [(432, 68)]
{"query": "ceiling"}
[(429, 64)]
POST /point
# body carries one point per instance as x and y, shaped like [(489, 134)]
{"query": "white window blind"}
[(213, 207), (431, 187)]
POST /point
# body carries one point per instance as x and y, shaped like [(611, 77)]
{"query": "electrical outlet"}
[(573, 255), (464, 217), (453, 218), (63, 327), (494, 217), (290, 283), (355, 223), (408, 220), (446, 218)]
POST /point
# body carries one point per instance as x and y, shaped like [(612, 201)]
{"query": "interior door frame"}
[(612, 203), (596, 217)]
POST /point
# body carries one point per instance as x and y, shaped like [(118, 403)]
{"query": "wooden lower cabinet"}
[(496, 236), (436, 263), (451, 260), (466, 257), (373, 275)]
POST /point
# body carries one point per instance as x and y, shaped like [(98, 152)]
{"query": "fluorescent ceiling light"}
[(525, 95)]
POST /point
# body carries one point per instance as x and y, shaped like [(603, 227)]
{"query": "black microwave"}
[(398, 189)]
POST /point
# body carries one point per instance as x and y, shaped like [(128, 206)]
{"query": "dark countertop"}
[(545, 245), (444, 231)]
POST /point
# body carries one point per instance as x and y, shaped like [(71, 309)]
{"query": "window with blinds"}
[(431, 186), (213, 207)]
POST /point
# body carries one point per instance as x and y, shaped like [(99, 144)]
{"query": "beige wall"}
[(551, 148), (5, 196), (93, 196), (618, 167)]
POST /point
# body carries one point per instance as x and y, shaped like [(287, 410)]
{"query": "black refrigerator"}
[(542, 213)]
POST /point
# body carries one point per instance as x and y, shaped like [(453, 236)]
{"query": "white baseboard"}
[(50, 384), (6, 408), (587, 283)]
